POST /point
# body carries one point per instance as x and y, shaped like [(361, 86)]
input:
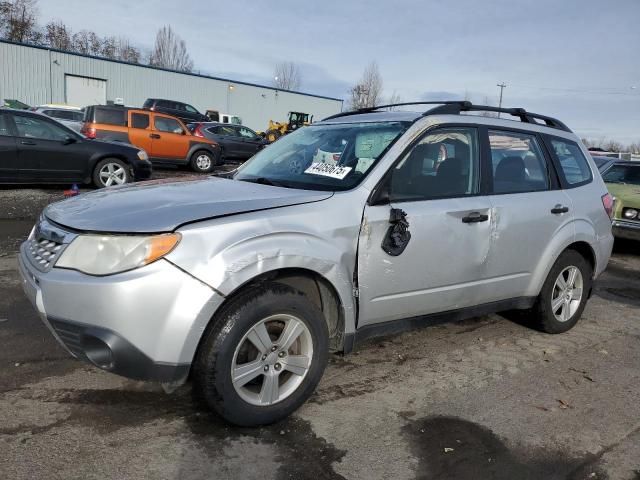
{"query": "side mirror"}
[(69, 140)]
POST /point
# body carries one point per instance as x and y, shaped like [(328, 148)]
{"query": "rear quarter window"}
[(110, 116), (573, 165)]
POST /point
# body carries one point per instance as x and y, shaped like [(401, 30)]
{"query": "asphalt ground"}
[(483, 398)]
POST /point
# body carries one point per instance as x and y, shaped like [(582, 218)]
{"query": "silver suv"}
[(366, 223)]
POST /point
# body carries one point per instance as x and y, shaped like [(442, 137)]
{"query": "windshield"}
[(323, 157), (629, 174)]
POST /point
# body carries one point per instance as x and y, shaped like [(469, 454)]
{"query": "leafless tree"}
[(286, 76), (57, 35), (86, 42), (127, 52), (170, 51), (368, 91), (394, 98), (18, 21)]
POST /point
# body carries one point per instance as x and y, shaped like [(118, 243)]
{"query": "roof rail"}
[(455, 107), (521, 113), (378, 107)]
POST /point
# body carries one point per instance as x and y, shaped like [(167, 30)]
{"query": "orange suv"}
[(163, 137)]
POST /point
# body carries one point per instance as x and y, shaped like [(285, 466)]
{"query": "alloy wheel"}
[(203, 162), (272, 359), (567, 293), (112, 174)]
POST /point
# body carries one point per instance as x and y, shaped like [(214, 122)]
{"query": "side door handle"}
[(558, 209), (154, 135), (27, 142), (475, 217)]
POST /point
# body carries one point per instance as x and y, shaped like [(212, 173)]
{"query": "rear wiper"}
[(263, 181)]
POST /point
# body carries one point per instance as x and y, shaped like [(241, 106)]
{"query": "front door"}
[(251, 142), (529, 209), (8, 151), (442, 267), (48, 151), (170, 138)]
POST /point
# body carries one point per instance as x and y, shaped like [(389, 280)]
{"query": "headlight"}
[(142, 155), (630, 213), (108, 254)]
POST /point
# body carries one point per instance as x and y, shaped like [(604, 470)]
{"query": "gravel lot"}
[(484, 398)]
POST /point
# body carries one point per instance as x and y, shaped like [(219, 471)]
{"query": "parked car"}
[(37, 149), (235, 141), (246, 283), (603, 162), (72, 117), (183, 111), (165, 138), (623, 181)]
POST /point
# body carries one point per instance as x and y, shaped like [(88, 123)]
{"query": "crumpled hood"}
[(164, 205)]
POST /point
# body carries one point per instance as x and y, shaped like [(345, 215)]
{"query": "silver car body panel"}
[(233, 232)]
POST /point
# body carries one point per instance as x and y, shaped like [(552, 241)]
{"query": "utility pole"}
[(502, 87)]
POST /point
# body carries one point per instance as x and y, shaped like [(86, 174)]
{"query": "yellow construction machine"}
[(278, 129)]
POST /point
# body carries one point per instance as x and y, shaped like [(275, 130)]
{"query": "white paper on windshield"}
[(328, 170)]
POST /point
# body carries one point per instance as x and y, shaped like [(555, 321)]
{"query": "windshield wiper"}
[(263, 181)]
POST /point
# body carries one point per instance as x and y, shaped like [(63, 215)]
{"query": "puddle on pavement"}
[(453, 448)]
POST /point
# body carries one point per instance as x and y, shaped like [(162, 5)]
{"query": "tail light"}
[(608, 202), (198, 131), (89, 132)]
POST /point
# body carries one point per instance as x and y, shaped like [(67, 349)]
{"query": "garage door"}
[(83, 91)]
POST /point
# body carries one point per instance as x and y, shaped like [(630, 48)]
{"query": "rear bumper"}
[(626, 229)]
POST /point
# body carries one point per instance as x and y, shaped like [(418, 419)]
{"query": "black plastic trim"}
[(125, 359), (394, 327)]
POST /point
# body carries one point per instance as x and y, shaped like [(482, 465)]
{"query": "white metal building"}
[(38, 75)]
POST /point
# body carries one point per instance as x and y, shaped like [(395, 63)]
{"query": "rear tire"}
[(247, 371), (564, 294), (203, 161), (109, 172)]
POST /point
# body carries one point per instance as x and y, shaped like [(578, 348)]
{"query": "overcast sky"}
[(574, 59)]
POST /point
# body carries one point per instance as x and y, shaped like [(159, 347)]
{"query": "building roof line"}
[(161, 69)]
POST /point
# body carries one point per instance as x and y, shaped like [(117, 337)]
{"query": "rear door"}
[(140, 133), (171, 140), (9, 167), (45, 151), (230, 139), (529, 209), (437, 185)]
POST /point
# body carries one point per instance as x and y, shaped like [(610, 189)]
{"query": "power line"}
[(593, 90)]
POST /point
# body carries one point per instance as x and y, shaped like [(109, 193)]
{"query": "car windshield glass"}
[(323, 157), (628, 174)]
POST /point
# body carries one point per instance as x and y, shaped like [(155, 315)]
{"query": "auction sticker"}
[(328, 170)]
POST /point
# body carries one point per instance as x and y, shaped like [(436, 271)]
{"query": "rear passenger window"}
[(518, 163), (573, 164), (139, 120), (443, 164)]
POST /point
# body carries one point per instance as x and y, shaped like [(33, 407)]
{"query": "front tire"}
[(109, 172), (263, 357), (564, 294)]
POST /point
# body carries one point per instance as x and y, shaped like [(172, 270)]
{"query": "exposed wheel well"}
[(313, 286), (584, 249)]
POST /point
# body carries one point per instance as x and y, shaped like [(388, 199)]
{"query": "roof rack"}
[(455, 107)]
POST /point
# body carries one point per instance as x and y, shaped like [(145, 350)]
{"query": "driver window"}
[(31, 127), (246, 133), (169, 125), (444, 163)]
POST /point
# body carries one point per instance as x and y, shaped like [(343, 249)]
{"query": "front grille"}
[(70, 335), (44, 253), (46, 244)]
